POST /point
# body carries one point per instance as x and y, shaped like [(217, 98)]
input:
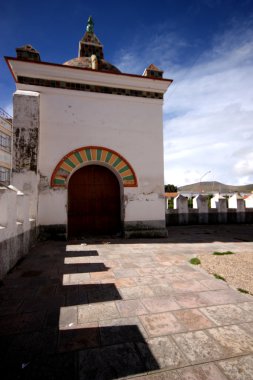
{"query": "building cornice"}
[(59, 72)]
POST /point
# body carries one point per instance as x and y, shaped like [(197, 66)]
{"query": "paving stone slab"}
[(240, 368), (121, 273), (134, 292), (193, 319), (161, 290), (233, 339), (165, 375), (79, 338), (97, 312), (199, 347), (248, 327), (191, 300), (128, 308), (201, 372), (160, 304), (40, 367), (121, 330), (226, 314), (148, 280), (125, 282), (111, 362), (222, 297), (247, 306), (214, 284), (188, 286), (68, 317), (166, 353), (161, 324)]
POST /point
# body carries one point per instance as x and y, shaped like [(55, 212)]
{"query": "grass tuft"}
[(219, 277), (195, 261), (243, 290), (223, 253)]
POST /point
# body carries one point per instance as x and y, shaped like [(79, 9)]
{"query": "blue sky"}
[(206, 46)]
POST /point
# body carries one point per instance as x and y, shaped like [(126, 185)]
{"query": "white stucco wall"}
[(131, 126)]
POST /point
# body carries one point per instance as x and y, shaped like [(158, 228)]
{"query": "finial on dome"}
[(90, 25)]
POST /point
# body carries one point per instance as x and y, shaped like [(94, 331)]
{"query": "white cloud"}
[(208, 110), (213, 128)]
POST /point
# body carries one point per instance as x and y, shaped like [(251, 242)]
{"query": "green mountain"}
[(214, 186)]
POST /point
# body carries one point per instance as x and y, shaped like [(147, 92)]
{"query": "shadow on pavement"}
[(227, 233), (32, 345)]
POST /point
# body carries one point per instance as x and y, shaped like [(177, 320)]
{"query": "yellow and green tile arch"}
[(93, 154)]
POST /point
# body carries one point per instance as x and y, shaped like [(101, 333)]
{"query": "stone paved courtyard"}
[(117, 309)]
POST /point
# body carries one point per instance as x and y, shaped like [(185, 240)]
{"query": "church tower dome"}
[(90, 53)]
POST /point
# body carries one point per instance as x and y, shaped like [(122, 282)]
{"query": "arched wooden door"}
[(93, 202)]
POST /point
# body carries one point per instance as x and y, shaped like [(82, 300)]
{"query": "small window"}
[(4, 175), (5, 141)]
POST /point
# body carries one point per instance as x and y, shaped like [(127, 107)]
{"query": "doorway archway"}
[(93, 202)]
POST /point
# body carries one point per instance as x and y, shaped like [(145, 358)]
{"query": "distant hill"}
[(214, 186)]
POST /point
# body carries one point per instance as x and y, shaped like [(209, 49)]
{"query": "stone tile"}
[(97, 312), (121, 330), (103, 293), (102, 275), (147, 280), (161, 324), (78, 278), (161, 304), (68, 317), (111, 362), (58, 366), (79, 338), (165, 375), (220, 297), (10, 307), (238, 368), (199, 347), (130, 308), (122, 273), (37, 342), (125, 282), (201, 372), (161, 290), (188, 286), (136, 292), (164, 350), (147, 271), (247, 306), (248, 327), (214, 284), (226, 314), (32, 321), (193, 319), (191, 300), (196, 275), (233, 339)]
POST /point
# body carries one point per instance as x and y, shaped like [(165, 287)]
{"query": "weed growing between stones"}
[(219, 277), (195, 261), (243, 290), (223, 253)]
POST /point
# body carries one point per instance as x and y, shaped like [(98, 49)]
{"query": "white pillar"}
[(180, 203), (200, 202)]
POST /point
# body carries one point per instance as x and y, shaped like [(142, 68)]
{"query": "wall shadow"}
[(85, 268), (187, 234), (34, 346)]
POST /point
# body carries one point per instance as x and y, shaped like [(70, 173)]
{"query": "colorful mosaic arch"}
[(92, 154)]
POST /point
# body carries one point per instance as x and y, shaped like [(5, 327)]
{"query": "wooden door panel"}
[(93, 202)]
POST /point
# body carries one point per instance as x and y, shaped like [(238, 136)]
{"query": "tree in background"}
[(170, 188)]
